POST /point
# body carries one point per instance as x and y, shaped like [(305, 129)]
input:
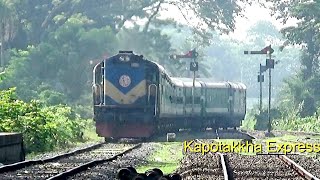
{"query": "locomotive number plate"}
[(124, 81)]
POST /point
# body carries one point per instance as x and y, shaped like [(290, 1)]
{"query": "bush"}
[(43, 127), (249, 122), (263, 119), (308, 124)]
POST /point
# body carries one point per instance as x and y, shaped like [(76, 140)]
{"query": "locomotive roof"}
[(161, 68)]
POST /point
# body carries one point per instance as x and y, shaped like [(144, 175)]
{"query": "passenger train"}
[(136, 98)]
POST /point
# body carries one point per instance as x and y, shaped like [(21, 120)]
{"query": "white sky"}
[(253, 14)]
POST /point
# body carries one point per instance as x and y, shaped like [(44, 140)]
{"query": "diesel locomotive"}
[(136, 98)]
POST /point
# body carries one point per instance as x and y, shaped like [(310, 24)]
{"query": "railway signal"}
[(260, 78), (262, 51), (190, 55), (194, 66), (269, 65), (262, 69)]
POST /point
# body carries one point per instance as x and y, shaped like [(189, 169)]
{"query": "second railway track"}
[(236, 166), (66, 165)]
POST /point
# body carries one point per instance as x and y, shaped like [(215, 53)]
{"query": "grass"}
[(292, 139), (248, 123), (167, 158), (89, 131)]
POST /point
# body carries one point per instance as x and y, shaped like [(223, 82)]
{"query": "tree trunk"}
[(2, 43)]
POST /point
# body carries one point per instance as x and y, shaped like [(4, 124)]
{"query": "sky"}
[(253, 14)]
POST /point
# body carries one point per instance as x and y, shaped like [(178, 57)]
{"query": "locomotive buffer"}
[(194, 66)]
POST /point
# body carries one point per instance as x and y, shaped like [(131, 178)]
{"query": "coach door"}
[(231, 98), (203, 99), (152, 89), (97, 86)]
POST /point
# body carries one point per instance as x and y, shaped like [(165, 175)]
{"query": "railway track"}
[(66, 165), (235, 166)]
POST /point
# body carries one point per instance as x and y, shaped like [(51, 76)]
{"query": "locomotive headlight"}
[(124, 58)]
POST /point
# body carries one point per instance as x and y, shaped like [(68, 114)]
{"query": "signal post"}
[(193, 54), (269, 65)]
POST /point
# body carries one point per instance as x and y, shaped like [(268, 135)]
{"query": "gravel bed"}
[(277, 133), (44, 171), (295, 133), (311, 164), (257, 134), (108, 170), (259, 167), (198, 166), (58, 152)]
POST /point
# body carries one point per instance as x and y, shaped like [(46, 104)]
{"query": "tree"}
[(306, 33), (7, 27), (52, 46), (213, 15)]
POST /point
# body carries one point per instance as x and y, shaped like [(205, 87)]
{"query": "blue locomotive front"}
[(125, 93)]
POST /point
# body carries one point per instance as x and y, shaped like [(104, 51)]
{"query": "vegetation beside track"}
[(282, 120), (44, 128), (166, 157)]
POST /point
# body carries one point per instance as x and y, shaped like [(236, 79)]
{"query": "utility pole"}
[(1, 56), (1, 46)]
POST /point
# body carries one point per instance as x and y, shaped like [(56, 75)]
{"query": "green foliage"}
[(263, 118), (307, 124), (1, 76), (249, 122), (61, 63), (64, 36), (43, 127), (304, 88)]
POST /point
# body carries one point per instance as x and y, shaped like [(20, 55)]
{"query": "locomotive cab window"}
[(98, 72)]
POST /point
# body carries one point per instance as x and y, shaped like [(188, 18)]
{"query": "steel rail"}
[(293, 165), (224, 166), (300, 170), (76, 170), (223, 163), (296, 167), (20, 165)]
